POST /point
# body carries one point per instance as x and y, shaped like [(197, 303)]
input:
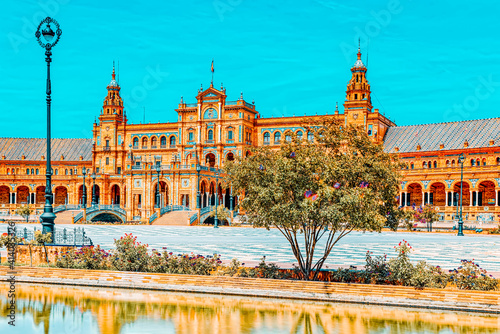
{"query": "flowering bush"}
[(187, 264), (376, 269), (129, 255), (400, 268), (425, 275), (88, 257), (469, 276)]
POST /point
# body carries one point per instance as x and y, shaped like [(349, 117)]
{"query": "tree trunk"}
[(46, 255), (31, 257)]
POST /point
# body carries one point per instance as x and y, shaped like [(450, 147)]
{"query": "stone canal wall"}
[(444, 299)]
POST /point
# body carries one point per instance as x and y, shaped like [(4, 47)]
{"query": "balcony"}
[(209, 141), (106, 148), (153, 146), (144, 147), (135, 147), (163, 146)]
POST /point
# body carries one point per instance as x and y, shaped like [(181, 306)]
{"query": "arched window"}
[(448, 164), (424, 165), (65, 172), (288, 137), (435, 164), (484, 162), (498, 161), (153, 142), (412, 165), (37, 171), (277, 137), (136, 142), (310, 136), (8, 171), (299, 135), (27, 171), (172, 141), (478, 162), (57, 171), (163, 142), (267, 138), (429, 164), (71, 171), (472, 162), (144, 142), (210, 135), (452, 163)]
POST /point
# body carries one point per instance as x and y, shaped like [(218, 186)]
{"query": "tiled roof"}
[(34, 148), (452, 135)]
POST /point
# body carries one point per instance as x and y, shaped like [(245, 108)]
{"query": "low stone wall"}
[(445, 299), (37, 254)]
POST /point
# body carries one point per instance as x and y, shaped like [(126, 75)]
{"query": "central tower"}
[(358, 103)]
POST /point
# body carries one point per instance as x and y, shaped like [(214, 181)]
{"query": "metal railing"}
[(106, 148), (153, 218), (180, 208), (78, 217), (65, 237), (67, 207), (193, 218), (205, 210), (165, 209)]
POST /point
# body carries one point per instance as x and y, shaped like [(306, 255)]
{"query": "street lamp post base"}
[(460, 229), (48, 222)]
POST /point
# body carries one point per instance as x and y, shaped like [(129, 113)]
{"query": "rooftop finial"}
[(241, 96), (336, 108), (359, 48), (113, 75), (182, 99)]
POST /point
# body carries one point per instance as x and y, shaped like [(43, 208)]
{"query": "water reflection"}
[(58, 309)]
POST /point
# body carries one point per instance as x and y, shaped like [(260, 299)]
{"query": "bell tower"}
[(358, 103), (112, 109)]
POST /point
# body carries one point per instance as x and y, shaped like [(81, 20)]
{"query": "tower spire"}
[(113, 75)]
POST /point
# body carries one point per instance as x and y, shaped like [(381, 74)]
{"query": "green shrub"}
[(186, 264), (129, 254), (376, 269), (89, 257), (400, 268), (469, 276)]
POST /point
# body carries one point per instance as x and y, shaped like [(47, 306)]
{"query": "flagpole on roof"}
[(212, 69)]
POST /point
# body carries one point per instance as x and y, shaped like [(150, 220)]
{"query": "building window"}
[(424, 165), (65, 172), (498, 161), (136, 142), (288, 138), (37, 171), (472, 162), (484, 162), (267, 138), (230, 135), (119, 170), (191, 136), (370, 130), (144, 142), (107, 161), (277, 137), (70, 172), (310, 136), (435, 164), (210, 135), (172, 141), (27, 171), (355, 96), (299, 135), (412, 166), (57, 171), (163, 142), (107, 142), (97, 170), (153, 142)]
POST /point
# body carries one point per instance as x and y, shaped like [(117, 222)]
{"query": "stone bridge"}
[(108, 213)]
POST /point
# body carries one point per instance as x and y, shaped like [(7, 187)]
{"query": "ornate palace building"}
[(143, 172)]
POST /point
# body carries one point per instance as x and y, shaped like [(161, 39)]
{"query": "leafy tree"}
[(43, 239), (427, 214), (223, 214), (24, 211), (318, 190)]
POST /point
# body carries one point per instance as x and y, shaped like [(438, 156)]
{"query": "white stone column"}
[(199, 134), (498, 197), (446, 199), (423, 198), (401, 198), (199, 111)]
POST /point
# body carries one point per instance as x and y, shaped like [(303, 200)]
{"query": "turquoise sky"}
[(428, 61)]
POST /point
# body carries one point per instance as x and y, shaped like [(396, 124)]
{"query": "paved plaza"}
[(250, 244)]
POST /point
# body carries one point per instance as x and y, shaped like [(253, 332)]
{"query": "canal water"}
[(249, 245), (79, 310)]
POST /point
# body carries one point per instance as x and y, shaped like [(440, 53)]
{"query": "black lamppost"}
[(50, 40), (198, 194), (157, 194), (84, 192), (94, 198), (461, 160), (216, 220)]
